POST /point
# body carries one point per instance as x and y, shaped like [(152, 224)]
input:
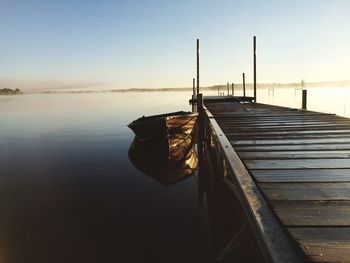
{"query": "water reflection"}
[(167, 165)]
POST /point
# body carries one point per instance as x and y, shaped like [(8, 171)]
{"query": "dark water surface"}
[(68, 192)]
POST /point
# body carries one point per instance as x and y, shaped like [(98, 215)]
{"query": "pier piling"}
[(194, 87), (304, 99), (197, 65), (254, 60), (243, 84)]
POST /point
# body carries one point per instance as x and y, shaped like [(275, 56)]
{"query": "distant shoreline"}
[(8, 92), (210, 88), (223, 88)]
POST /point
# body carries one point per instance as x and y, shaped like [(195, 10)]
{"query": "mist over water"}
[(69, 193)]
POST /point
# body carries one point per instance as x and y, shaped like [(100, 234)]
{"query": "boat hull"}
[(160, 127)]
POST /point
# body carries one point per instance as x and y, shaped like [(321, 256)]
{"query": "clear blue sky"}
[(152, 43)]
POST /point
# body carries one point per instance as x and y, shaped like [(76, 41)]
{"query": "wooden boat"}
[(163, 146), (159, 127)]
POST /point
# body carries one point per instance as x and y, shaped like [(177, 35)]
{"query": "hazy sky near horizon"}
[(130, 44)]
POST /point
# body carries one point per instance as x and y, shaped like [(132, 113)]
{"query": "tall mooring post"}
[(197, 65), (254, 62), (194, 88), (304, 99), (200, 102), (243, 84), (233, 89)]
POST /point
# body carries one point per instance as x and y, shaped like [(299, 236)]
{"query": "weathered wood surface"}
[(323, 244), (301, 175), (298, 164), (313, 213), (296, 141), (306, 191), (300, 161), (294, 155), (302, 147)]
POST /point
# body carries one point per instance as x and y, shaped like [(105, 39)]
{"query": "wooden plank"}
[(226, 114), (313, 213), (287, 133), (241, 116), (279, 120), (306, 191), (310, 175), (287, 126), (260, 121), (246, 111), (324, 244), (251, 134), (285, 123), (247, 136), (296, 141), (298, 164), (310, 147), (295, 155), (279, 123)]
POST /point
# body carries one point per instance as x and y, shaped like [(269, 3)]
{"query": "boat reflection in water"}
[(170, 155), (163, 147), (163, 164)]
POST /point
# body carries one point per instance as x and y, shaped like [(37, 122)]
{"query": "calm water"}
[(68, 192)]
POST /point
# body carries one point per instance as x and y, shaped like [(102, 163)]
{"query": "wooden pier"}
[(290, 169)]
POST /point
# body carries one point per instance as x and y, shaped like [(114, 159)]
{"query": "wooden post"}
[(200, 102), (194, 87), (197, 65), (228, 89), (304, 99), (233, 89), (218, 91), (254, 50), (243, 84)]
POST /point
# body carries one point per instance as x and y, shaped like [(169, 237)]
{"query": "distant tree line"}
[(9, 91)]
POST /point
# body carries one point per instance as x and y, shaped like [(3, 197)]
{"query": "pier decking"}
[(300, 163)]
